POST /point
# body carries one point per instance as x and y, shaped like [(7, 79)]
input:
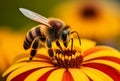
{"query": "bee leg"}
[(51, 54), (71, 44), (50, 50), (34, 49), (77, 35), (49, 45), (58, 44)]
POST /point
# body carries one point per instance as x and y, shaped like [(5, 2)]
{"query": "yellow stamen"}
[(67, 58)]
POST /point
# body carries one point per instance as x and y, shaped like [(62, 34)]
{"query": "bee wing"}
[(34, 16)]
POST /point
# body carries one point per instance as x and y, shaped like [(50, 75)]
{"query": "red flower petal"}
[(46, 75), (67, 76), (113, 73), (113, 59), (22, 76)]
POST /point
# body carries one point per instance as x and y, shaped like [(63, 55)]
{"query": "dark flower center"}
[(68, 58), (89, 12)]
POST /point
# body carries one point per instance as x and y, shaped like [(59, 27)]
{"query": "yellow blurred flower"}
[(90, 63), (94, 19), (10, 47)]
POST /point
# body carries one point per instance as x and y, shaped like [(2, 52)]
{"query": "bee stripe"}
[(31, 36), (27, 43), (26, 47), (38, 33), (37, 29)]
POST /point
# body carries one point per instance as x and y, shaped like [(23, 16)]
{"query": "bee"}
[(48, 30)]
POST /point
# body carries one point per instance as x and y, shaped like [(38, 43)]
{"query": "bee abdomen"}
[(27, 43), (31, 35)]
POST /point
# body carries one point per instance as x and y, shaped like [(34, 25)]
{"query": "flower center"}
[(68, 58), (89, 12)]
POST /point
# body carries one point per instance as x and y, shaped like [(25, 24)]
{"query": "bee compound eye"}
[(64, 35)]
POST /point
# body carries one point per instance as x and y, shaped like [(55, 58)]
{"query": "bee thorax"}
[(56, 24)]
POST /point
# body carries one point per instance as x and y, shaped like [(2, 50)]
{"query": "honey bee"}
[(49, 30)]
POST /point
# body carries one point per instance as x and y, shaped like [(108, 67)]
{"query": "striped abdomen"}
[(31, 35)]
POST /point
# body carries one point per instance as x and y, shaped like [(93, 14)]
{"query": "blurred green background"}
[(11, 17)]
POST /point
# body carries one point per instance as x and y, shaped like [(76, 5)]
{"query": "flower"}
[(10, 47), (91, 18), (83, 63)]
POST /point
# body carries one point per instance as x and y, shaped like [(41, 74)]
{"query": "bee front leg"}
[(60, 47), (34, 49), (71, 44)]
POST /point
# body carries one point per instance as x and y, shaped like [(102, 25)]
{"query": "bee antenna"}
[(77, 35)]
